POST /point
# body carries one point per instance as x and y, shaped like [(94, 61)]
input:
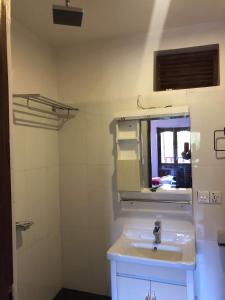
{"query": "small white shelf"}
[(128, 150), (127, 130), (128, 155), (173, 195), (127, 139)]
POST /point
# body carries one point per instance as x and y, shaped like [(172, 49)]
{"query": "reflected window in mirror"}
[(166, 153)]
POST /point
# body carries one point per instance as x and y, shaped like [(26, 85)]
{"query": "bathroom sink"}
[(152, 251), (177, 249)]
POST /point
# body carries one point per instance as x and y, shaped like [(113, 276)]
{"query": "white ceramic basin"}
[(175, 249), (162, 251)]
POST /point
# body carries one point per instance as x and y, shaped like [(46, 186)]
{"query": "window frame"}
[(169, 68)]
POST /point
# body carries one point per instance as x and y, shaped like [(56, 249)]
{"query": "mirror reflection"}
[(166, 153)]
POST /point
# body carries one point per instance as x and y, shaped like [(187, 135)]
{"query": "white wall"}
[(35, 173), (103, 78)]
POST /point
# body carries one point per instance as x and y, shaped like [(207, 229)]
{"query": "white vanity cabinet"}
[(164, 291), (141, 272), (140, 282), (133, 289)]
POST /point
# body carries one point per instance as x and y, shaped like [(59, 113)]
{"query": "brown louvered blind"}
[(187, 68)]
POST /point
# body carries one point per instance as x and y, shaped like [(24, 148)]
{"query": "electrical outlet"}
[(203, 197), (215, 197)]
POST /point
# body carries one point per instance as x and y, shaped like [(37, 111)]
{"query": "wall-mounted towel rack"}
[(216, 139), (35, 110)]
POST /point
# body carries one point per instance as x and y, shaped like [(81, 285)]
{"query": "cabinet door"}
[(133, 289), (163, 291)]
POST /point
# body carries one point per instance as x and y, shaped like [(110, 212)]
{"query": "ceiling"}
[(111, 18)]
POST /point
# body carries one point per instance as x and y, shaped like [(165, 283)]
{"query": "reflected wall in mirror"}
[(166, 153)]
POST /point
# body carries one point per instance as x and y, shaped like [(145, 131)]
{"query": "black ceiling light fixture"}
[(67, 15)]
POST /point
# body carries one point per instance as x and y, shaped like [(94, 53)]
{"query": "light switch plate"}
[(203, 197), (215, 197)]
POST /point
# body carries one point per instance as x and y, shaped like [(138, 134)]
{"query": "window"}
[(187, 68), (171, 145), (167, 147)]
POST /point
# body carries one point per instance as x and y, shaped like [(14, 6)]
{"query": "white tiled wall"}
[(35, 173), (103, 78)]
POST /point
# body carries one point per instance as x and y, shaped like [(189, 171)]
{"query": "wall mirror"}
[(166, 153), (154, 153)]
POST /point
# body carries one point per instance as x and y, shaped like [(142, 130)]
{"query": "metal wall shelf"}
[(35, 110), (174, 196), (24, 225)]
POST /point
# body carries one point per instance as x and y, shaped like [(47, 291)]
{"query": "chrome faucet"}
[(157, 232)]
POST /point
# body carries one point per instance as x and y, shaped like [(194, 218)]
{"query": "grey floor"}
[(66, 294)]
